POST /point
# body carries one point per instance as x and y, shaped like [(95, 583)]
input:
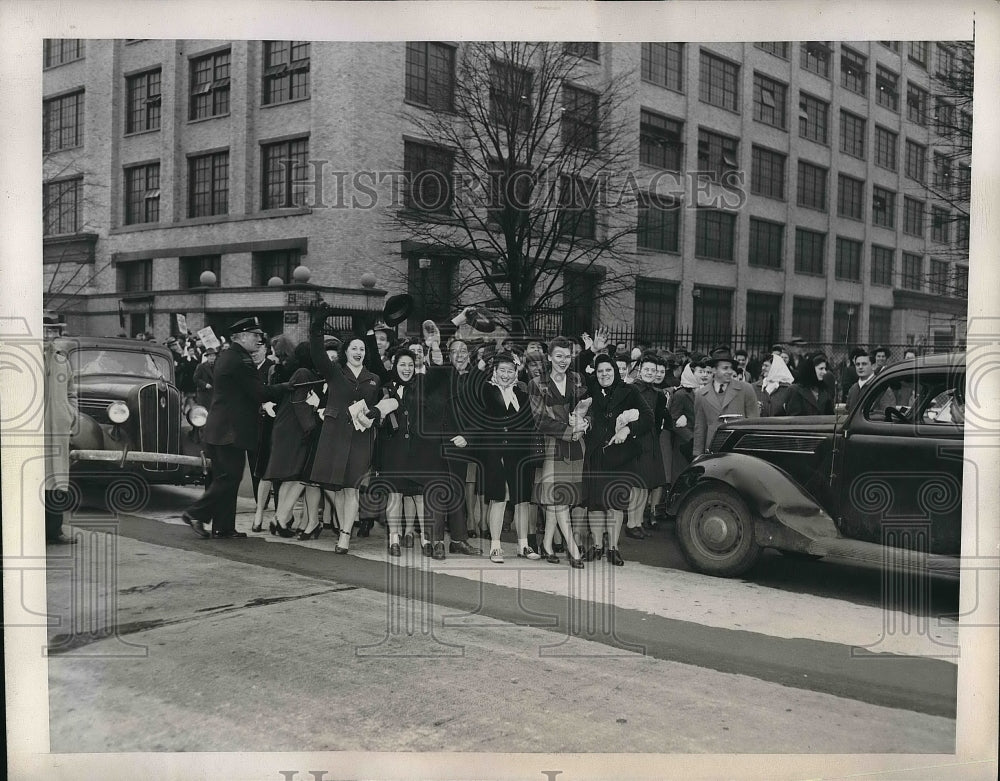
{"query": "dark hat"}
[(248, 325), (211, 350), (332, 343), (720, 354), (397, 309), (481, 319), (796, 340), (381, 326)]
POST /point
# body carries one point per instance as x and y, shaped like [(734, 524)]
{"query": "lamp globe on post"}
[(275, 282), (301, 274), (208, 279)]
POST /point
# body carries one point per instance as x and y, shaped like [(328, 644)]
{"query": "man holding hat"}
[(723, 395), (231, 431)]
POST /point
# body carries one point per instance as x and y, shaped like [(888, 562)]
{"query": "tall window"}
[(812, 186), (916, 104), (428, 177), (944, 117), (777, 48), (62, 204), (942, 172), (810, 248), (577, 215), (135, 276), (579, 118), (767, 175), (913, 217), (655, 307), (142, 194), (845, 321), (916, 161), (62, 122), (813, 118), (191, 269), (853, 71), (142, 97), (208, 185), (589, 50), (807, 318), (286, 71), (852, 134), (430, 74), (275, 263), (962, 232), (663, 64), (939, 282), (763, 317), (713, 312), (882, 265), (912, 277), (883, 207), (716, 152), (719, 82), (963, 182), (918, 53), (660, 142), (945, 60), (767, 242), (769, 102), (285, 174), (715, 234), (850, 197), (887, 88), (510, 96), (815, 56), (961, 281), (209, 85), (879, 324), (579, 293), (940, 222), (56, 51), (659, 223), (886, 145), (848, 263)]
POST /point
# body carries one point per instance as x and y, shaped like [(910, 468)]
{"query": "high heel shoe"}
[(342, 549), (549, 556), (257, 527), (304, 535), (575, 563), (279, 530), (593, 553)]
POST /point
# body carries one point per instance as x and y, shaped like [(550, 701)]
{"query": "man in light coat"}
[(723, 395), (60, 423)]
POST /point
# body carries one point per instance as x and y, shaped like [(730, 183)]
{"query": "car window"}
[(93, 361), (882, 398), (947, 408)]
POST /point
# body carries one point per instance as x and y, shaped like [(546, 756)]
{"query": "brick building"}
[(164, 159)]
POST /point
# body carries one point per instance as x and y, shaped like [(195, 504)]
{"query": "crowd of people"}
[(571, 442)]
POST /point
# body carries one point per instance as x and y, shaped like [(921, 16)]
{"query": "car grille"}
[(159, 423), (718, 440), (779, 443)]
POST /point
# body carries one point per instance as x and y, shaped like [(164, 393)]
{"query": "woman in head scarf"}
[(617, 414), (775, 388), (809, 394), (681, 408)]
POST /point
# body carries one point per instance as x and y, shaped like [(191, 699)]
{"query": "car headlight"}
[(118, 412), (197, 416)]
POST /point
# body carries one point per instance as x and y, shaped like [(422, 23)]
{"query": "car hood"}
[(110, 386), (802, 424)]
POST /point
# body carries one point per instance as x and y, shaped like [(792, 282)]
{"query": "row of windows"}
[(656, 313), (136, 276)]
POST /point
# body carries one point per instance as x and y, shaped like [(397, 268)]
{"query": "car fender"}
[(771, 494), (87, 434)]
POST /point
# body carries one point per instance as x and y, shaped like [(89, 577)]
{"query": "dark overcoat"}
[(504, 442), (238, 392), (294, 422), (650, 466), (801, 401), (607, 488), (343, 454)]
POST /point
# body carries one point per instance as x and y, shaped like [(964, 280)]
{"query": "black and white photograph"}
[(407, 391)]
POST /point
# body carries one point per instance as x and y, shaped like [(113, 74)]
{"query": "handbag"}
[(616, 456)]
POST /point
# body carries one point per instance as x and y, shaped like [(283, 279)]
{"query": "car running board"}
[(885, 556)]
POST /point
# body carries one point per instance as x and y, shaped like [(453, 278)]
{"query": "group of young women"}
[(578, 439)]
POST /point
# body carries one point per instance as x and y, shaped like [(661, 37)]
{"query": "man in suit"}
[(881, 356), (230, 434), (724, 395), (866, 373)]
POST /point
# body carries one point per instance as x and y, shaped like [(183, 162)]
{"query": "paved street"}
[(274, 645)]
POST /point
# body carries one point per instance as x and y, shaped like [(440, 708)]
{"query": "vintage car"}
[(882, 483), (131, 413)]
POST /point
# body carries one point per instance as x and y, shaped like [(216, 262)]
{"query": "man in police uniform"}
[(230, 434)]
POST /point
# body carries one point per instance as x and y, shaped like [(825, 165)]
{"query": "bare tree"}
[(528, 183)]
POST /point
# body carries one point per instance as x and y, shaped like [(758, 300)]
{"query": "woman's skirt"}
[(560, 480)]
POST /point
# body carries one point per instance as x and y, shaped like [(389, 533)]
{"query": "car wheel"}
[(716, 532)]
